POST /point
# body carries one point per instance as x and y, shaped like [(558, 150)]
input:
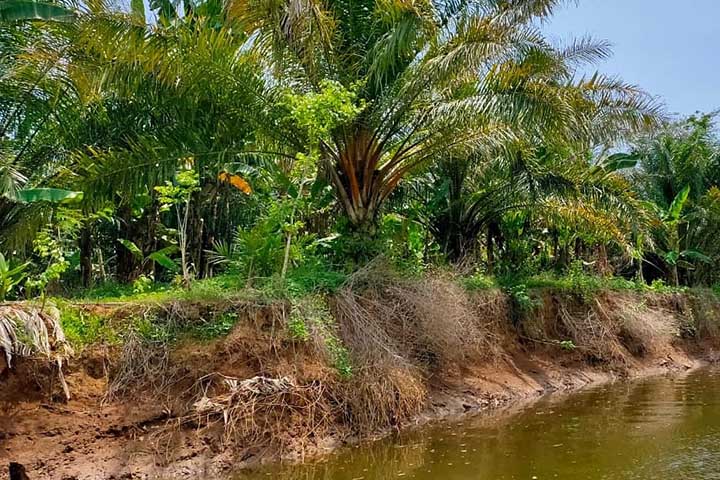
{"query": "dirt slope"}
[(160, 427)]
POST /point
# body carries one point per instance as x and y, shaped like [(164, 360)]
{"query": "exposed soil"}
[(144, 432)]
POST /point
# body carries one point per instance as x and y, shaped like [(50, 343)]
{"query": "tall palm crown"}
[(426, 73)]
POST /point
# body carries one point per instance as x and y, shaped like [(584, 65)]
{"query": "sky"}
[(670, 48)]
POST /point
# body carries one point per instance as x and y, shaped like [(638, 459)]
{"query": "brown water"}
[(658, 428)]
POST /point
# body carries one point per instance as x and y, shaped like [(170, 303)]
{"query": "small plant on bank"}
[(296, 325), (178, 195), (311, 315), (219, 326), (521, 298)]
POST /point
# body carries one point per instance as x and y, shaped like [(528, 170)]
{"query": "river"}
[(661, 428)]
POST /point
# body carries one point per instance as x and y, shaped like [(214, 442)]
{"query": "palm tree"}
[(428, 78), (33, 103), (550, 159), (679, 175), (155, 99)]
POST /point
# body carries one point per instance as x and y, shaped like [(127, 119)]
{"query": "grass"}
[(83, 328), (582, 283), (307, 279), (479, 282), (216, 288)]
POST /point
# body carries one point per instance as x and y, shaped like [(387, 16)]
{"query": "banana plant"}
[(161, 257), (10, 276), (675, 256), (23, 10)]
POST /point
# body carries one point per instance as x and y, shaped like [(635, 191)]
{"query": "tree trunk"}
[(603, 264), (86, 251), (490, 251), (674, 275), (578, 248), (127, 263)]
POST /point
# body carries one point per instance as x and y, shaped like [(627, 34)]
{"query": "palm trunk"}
[(86, 250), (603, 265), (490, 251), (674, 275), (127, 263)]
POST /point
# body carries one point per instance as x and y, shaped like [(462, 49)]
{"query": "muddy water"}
[(658, 428)]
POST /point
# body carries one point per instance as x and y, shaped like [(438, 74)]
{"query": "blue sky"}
[(670, 48)]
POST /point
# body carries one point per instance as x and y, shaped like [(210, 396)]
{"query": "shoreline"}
[(149, 431)]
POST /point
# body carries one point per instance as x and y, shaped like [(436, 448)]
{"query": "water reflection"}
[(660, 428)]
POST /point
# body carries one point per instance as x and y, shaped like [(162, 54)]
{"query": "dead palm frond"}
[(34, 332)]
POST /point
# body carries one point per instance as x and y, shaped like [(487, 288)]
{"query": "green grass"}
[(83, 328), (584, 283), (479, 282), (299, 282), (216, 288)]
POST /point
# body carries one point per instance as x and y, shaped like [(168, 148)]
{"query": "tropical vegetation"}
[(286, 143)]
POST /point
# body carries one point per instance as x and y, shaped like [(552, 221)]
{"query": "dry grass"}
[(383, 395), (704, 308), (611, 328), (643, 330), (399, 333), (142, 365)]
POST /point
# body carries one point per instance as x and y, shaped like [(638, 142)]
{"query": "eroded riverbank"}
[(257, 395)]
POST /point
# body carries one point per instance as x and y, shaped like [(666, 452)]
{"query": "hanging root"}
[(262, 411), (143, 365)]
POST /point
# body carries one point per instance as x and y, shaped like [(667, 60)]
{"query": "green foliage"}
[(161, 256), (142, 284), (153, 330), (678, 204), (52, 195), (310, 316), (521, 298), (479, 282), (83, 328), (586, 285), (20, 10), (51, 253), (296, 325), (179, 192), (314, 277), (280, 152), (219, 325), (10, 276), (320, 112)]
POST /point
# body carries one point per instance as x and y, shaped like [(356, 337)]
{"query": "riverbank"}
[(204, 388)]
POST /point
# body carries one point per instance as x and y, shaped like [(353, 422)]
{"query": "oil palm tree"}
[(428, 77), (548, 159), (679, 174)]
